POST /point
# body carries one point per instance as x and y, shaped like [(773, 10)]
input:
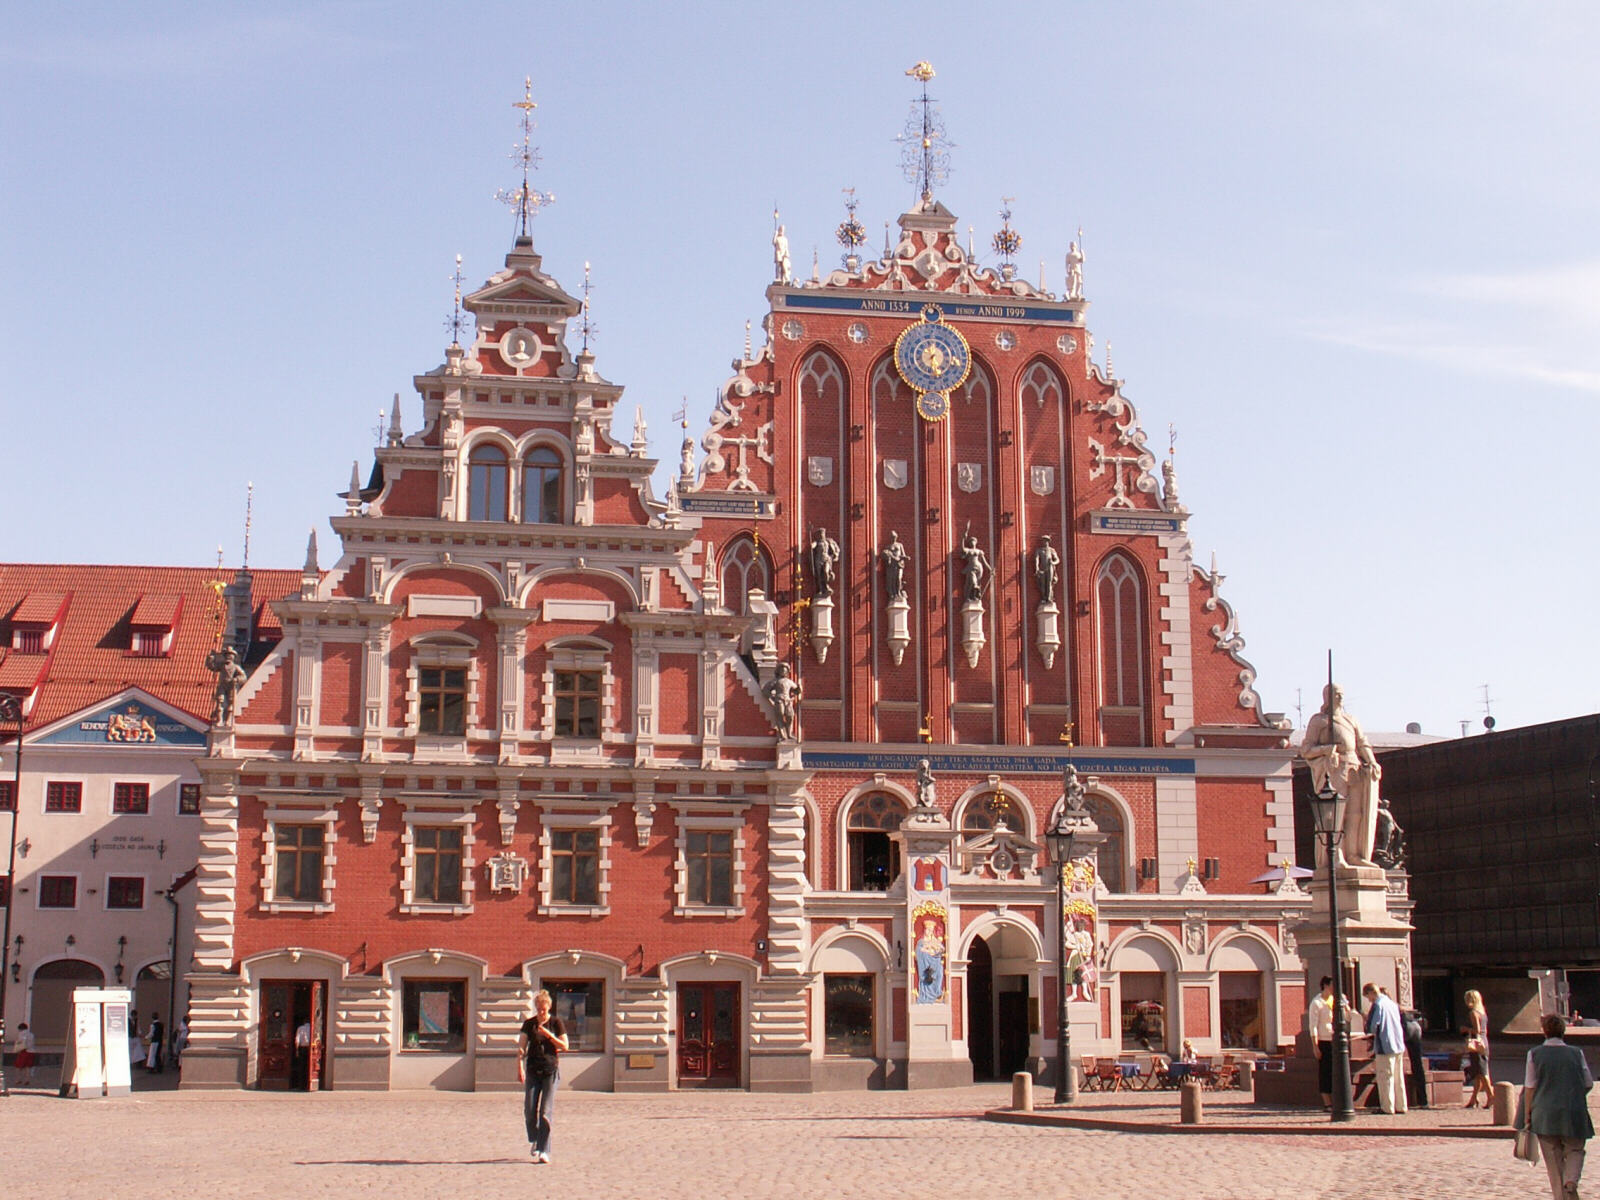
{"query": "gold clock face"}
[(933, 359)]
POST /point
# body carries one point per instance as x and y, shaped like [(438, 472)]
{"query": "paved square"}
[(247, 1144)]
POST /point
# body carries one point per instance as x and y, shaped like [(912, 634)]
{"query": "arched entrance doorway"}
[(1000, 1019), (152, 989), (50, 1014)]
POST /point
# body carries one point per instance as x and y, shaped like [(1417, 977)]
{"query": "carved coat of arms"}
[(819, 470), (1042, 480), (895, 474), (969, 476)]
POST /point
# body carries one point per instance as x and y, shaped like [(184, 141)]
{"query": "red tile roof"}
[(38, 608), (90, 660), (156, 611)]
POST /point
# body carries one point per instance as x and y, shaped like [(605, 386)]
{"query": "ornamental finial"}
[(924, 148), (525, 200), (455, 322), (586, 327)]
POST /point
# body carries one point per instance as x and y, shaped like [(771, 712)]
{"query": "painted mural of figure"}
[(894, 558), (824, 562), (930, 963), (1082, 971), (1046, 569), (783, 693), (976, 571), (1338, 753)]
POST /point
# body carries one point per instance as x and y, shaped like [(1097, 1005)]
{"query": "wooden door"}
[(319, 1005), (1011, 1033), (275, 1053), (708, 1035)]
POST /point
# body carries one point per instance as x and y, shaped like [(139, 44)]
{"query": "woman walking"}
[(539, 1047), (1556, 1096), (1478, 1051)]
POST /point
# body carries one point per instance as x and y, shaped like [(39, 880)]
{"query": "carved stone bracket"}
[(1048, 638), (973, 638), (899, 627), (371, 804), (644, 815), (822, 626), (507, 805)]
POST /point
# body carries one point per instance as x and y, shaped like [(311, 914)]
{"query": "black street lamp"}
[(1059, 841), (1325, 818), (11, 713)]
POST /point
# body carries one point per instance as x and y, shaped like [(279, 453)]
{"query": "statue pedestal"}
[(899, 627), (822, 626), (973, 639), (1376, 942), (1048, 638)]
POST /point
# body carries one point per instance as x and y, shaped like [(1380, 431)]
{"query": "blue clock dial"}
[(932, 357)]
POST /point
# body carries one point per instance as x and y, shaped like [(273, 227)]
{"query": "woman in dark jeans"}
[(539, 1047)]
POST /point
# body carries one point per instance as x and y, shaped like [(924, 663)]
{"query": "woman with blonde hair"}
[(1478, 1050)]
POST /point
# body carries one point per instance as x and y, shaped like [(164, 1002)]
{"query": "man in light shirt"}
[(1319, 1026), (1388, 1049)]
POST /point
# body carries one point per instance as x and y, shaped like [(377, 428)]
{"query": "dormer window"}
[(36, 621), (542, 501), (153, 623), (27, 641)]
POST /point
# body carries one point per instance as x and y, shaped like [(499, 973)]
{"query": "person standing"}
[(23, 1045), (1388, 1048), (539, 1046), (1478, 1050), (300, 1065), (1556, 1094), (1319, 1025), (1414, 1026), (153, 1038)]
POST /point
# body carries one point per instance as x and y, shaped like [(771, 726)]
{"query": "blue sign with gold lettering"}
[(126, 723)]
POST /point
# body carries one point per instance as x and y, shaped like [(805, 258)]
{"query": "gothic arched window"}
[(487, 474), (821, 381), (1041, 385), (542, 473), (1121, 651), (743, 568)]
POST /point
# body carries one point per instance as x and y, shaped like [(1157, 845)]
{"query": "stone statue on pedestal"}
[(230, 678), (1046, 569), (824, 552), (894, 557), (783, 693), (1337, 751), (975, 569)]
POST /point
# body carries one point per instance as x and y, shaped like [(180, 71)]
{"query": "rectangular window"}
[(442, 700), (575, 866), (188, 799), (124, 891), (1144, 1013), (581, 1005), (63, 797), (709, 857), (147, 644), (130, 798), (5, 891), (8, 795), (847, 1005), (299, 863), (433, 1015), (28, 641), (438, 860), (577, 695), (58, 891)]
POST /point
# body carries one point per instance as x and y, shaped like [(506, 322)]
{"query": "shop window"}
[(581, 1005), (61, 797), (433, 1015), (1144, 1012), (1239, 996), (437, 854), (130, 798), (442, 701), (188, 799), (1120, 630), (874, 856), (125, 891), (848, 1007), (577, 698), (58, 891), (487, 476), (542, 501), (298, 862)]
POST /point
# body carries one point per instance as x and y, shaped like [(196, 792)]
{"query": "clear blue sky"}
[(1349, 251)]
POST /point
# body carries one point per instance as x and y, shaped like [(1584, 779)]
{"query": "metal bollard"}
[(1022, 1092), (1190, 1105), (1505, 1103)]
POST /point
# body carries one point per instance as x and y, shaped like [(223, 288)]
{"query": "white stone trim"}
[(445, 651), (1280, 820), (1177, 661), (700, 822), (1177, 829), (436, 815), (305, 809), (549, 822)]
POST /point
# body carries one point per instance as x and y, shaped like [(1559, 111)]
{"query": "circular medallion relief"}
[(1066, 343), (857, 332), (793, 330), (1006, 340), (519, 346)]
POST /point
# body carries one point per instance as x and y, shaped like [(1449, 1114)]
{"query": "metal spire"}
[(456, 321), (586, 326), (924, 148), (525, 200), (249, 509)]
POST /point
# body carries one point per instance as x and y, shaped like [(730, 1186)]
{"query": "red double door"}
[(286, 1005), (708, 1035)]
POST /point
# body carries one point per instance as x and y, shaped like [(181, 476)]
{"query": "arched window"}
[(1121, 653), (977, 390), (985, 811), (743, 568), (487, 475), (541, 487), (1111, 854), (874, 855), (1041, 385), (821, 381)]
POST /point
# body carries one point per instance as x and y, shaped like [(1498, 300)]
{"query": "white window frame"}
[(38, 891), (578, 654), (310, 810), (703, 822), (552, 821), (437, 811), (448, 651)]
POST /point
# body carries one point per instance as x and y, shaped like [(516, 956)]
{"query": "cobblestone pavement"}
[(245, 1144)]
